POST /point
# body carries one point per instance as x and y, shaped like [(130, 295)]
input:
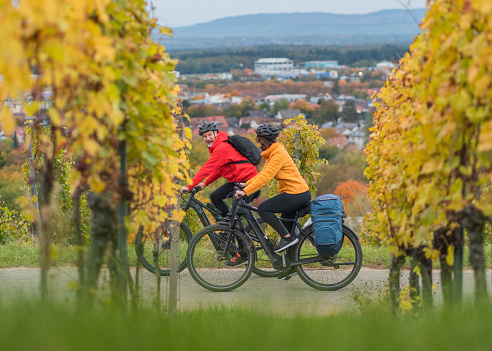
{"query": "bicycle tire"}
[(164, 254), (328, 275), (207, 267), (263, 266)]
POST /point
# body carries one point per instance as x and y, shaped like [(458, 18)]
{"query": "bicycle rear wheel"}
[(333, 273), (157, 245), (213, 270), (263, 266)]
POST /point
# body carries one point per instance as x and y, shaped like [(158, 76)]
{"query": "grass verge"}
[(29, 326), (20, 254)]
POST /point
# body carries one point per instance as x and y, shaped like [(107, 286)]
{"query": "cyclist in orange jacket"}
[(294, 192)]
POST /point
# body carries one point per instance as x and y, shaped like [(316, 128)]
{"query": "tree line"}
[(224, 60)]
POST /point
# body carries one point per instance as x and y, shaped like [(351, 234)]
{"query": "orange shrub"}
[(349, 190)]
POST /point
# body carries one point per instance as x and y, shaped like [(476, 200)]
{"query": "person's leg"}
[(217, 197), (283, 203), (302, 200)]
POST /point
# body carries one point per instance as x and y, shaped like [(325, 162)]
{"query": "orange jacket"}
[(279, 165)]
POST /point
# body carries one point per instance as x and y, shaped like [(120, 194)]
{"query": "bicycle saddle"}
[(304, 211)]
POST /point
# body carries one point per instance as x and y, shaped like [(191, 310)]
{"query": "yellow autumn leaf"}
[(55, 117), (96, 184), (7, 120), (90, 146), (29, 214), (450, 255), (166, 31), (104, 48), (188, 133), (22, 201), (31, 108), (101, 9), (179, 215)]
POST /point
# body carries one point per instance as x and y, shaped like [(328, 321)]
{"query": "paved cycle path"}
[(267, 295)]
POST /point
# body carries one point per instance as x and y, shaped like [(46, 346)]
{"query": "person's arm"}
[(266, 174), (212, 178), (216, 160)]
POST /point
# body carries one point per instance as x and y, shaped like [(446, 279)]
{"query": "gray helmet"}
[(267, 131), (206, 127)]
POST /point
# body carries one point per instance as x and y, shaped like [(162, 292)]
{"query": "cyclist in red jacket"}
[(225, 161)]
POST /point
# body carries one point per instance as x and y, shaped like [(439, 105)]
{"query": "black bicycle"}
[(211, 249), (157, 247)]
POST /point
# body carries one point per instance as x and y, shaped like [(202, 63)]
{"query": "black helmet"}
[(206, 127), (267, 131)]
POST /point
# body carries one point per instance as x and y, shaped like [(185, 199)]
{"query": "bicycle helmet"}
[(267, 131), (206, 127)]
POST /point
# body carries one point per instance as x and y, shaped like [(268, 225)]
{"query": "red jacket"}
[(218, 165)]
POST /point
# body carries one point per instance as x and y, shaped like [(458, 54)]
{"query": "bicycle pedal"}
[(287, 276)]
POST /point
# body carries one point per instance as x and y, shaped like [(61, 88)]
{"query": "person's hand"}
[(201, 185), (184, 190), (240, 194), (242, 184)]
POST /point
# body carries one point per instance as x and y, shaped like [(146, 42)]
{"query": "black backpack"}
[(245, 148)]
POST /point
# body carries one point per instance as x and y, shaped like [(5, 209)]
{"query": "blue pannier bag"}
[(326, 215)]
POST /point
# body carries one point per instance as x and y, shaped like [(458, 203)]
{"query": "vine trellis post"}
[(175, 231), (122, 258)]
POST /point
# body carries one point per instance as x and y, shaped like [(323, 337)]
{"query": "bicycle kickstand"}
[(284, 264)]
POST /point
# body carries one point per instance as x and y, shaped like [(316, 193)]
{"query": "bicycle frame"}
[(198, 206), (280, 262)]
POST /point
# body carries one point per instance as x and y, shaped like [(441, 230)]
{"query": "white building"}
[(268, 67), (289, 97), (385, 65)]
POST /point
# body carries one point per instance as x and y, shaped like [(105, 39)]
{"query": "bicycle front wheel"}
[(334, 272), (214, 268), (157, 246)]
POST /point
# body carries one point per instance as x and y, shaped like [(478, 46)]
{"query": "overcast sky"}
[(176, 13)]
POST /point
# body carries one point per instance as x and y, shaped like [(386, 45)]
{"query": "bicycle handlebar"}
[(192, 193), (195, 190)]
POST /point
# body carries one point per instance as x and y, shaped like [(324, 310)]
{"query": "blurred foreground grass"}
[(20, 254), (26, 325)]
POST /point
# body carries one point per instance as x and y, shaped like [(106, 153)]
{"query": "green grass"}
[(19, 254), (35, 326)]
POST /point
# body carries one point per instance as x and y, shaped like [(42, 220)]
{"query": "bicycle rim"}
[(207, 265), (331, 274), (157, 245)]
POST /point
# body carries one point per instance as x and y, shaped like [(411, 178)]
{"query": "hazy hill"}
[(299, 28)]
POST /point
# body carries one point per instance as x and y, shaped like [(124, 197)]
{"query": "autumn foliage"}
[(429, 157), (350, 190)]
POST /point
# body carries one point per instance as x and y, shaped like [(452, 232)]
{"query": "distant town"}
[(326, 93)]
